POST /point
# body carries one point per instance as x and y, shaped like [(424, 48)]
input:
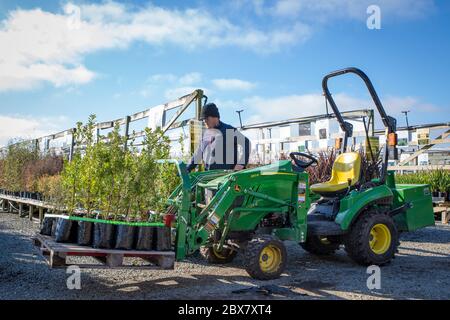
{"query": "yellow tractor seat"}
[(346, 167)]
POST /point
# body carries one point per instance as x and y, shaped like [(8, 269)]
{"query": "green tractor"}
[(253, 211)]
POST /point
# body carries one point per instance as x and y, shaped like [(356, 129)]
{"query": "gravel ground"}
[(421, 270)]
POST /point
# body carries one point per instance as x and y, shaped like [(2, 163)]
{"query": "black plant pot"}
[(125, 237), (66, 230), (163, 239), (55, 222), (85, 233), (145, 238), (47, 225), (104, 235)]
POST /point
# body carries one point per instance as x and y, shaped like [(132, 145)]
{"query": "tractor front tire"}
[(373, 239), (320, 245), (213, 256), (265, 257)]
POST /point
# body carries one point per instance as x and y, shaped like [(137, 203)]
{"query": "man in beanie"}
[(219, 148)]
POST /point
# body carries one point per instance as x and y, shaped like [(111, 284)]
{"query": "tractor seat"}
[(346, 167)]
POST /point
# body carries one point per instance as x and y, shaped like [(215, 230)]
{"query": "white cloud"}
[(175, 86), (162, 77), (27, 127), (39, 46), (178, 85), (264, 109), (104, 12), (323, 10), (190, 78), (271, 109), (233, 84), (175, 93), (398, 104), (287, 7)]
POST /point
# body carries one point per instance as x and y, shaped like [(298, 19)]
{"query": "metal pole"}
[(239, 113), (407, 124), (372, 123), (406, 116), (36, 145), (72, 144), (127, 129), (199, 104)]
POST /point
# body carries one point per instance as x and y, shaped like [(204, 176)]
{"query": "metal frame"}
[(181, 103)]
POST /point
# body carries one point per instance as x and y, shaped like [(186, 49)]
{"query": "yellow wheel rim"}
[(380, 238), (270, 259)]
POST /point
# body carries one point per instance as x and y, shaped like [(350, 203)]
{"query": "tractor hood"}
[(280, 166)]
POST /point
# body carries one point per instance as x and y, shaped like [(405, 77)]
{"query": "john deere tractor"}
[(253, 211)]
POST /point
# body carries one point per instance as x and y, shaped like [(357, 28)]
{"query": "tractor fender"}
[(354, 204)]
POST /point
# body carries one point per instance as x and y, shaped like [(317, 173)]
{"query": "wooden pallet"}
[(55, 254), (444, 212)]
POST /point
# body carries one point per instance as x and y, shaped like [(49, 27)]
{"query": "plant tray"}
[(137, 224)]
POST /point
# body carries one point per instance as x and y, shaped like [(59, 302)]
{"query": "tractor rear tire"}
[(265, 257), (212, 256), (320, 245), (373, 239)]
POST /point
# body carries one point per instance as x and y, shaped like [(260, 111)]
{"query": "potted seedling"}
[(167, 180), (143, 187), (434, 183), (443, 183), (98, 168), (115, 180), (79, 182)]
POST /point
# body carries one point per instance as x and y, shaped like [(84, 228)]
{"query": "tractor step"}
[(324, 228), (56, 254)]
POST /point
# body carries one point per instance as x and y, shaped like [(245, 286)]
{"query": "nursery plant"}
[(17, 156), (439, 180), (322, 171), (370, 168)]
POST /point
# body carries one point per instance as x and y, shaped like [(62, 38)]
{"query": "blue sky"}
[(266, 57)]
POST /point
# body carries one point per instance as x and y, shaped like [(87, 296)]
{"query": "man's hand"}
[(238, 167)]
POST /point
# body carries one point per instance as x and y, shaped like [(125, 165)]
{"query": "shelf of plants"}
[(111, 195)]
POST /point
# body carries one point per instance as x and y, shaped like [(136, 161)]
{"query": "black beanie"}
[(209, 110)]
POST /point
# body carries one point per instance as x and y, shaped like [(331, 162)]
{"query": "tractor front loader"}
[(253, 211)]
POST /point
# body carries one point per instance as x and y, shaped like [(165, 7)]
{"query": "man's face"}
[(211, 122)]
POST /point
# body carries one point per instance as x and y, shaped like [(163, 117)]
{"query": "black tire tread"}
[(356, 242), (252, 253)]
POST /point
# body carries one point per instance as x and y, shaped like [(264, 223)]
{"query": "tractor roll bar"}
[(388, 121)]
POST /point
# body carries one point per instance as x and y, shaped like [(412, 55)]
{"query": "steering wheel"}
[(302, 164)]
